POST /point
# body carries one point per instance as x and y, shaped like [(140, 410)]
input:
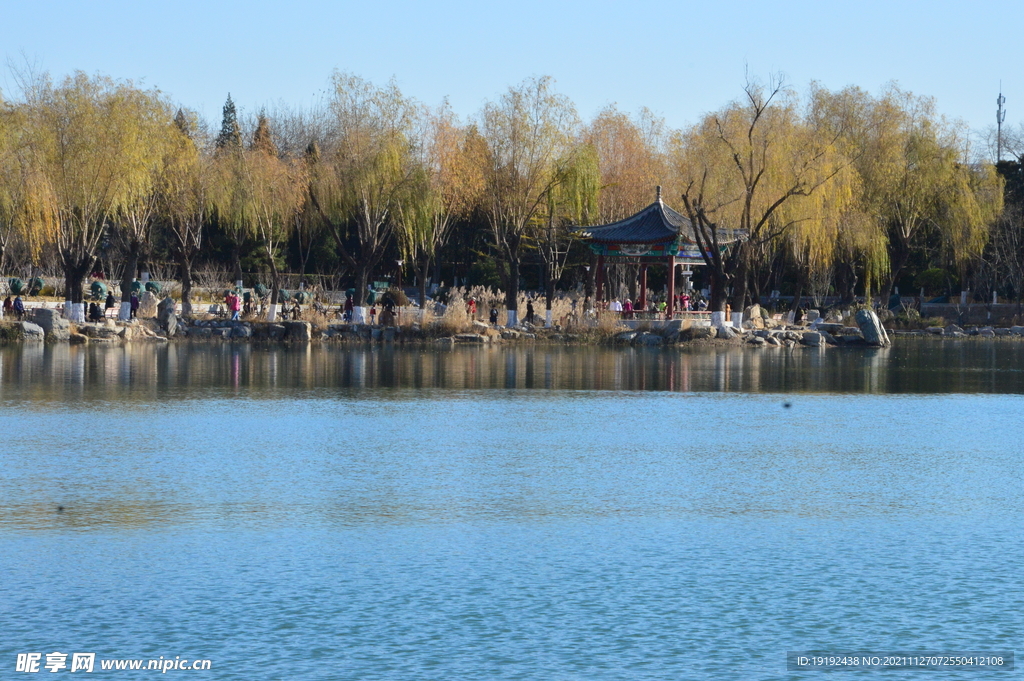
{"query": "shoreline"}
[(48, 326)]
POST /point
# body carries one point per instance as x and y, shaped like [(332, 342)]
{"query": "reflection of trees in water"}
[(153, 372)]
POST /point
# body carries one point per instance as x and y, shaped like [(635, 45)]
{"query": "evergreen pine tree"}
[(181, 120), (230, 134)]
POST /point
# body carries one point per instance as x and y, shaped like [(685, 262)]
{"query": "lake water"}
[(490, 513)]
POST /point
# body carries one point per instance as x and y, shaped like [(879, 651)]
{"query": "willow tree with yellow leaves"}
[(82, 137), (365, 163), (28, 214), (916, 184), (571, 203), (752, 173), (182, 200), (258, 193), (147, 133), (530, 133), (445, 185)]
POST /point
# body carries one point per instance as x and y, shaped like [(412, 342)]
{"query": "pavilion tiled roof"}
[(655, 224)]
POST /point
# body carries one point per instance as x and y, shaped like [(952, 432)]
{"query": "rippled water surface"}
[(485, 513)]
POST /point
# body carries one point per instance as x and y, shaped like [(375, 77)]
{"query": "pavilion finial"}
[(659, 194)]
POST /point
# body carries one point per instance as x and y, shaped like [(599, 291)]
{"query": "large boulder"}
[(300, 332), (147, 305), (54, 326), (649, 339), (240, 331), (812, 338), (100, 330), (871, 328), (726, 332), (166, 317), (165, 309), (753, 316), (827, 337), (32, 332)]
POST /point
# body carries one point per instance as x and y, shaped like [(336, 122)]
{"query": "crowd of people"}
[(684, 302)]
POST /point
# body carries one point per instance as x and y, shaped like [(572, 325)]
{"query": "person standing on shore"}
[(110, 303), (235, 306), (19, 307), (347, 316), (8, 306), (134, 305)]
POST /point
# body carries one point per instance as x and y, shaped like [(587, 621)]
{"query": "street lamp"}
[(400, 263)]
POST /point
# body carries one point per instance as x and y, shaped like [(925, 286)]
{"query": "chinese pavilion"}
[(657, 235)]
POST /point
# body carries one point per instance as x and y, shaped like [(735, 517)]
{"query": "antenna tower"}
[(1000, 117)]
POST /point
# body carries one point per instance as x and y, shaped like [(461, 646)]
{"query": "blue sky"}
[(680, 59)]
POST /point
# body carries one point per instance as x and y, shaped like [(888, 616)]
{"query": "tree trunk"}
[(846, 283), (549, 294), (739, 292), (421, 274), (798, 294), (236, 258), (275, 291), (718, 292), (186, 287), (358, 307), (512, 292), (127, 277), (899, 256), (74, 276)]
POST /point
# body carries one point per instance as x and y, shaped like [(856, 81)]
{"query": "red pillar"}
[(643, 287), (600, 282), (671, 287)]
